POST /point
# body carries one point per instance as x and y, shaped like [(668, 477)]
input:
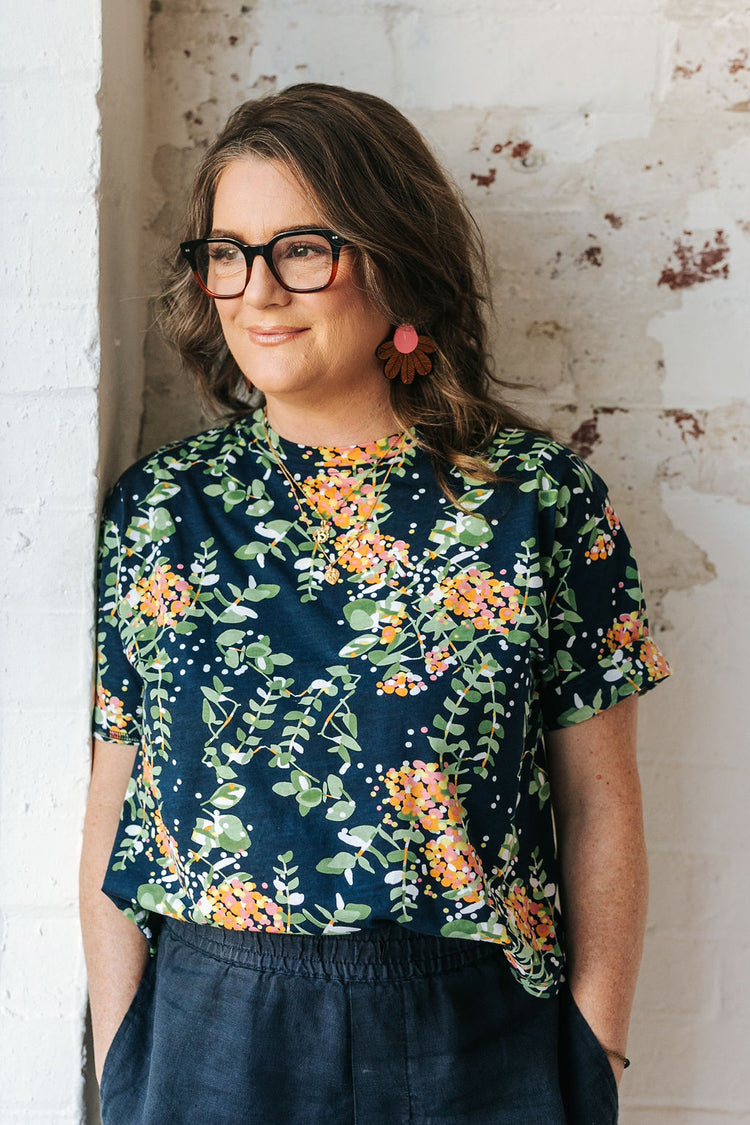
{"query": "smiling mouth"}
[(269, 336)]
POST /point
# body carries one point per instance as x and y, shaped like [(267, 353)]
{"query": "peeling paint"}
[(615, 221), (586, 437), (520, 155), (740, 62), (520, 150), (686, 71), (687, 423), (548, 328), (693, 267), (592, 256), (485, 180)]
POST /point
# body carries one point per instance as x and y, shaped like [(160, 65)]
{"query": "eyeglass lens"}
[(303, 261)]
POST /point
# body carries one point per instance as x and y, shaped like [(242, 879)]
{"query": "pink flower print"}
[(531, 919), (656, 665), (403, 684), (601, 548), (477, 596), (240, 906), (162, 595), (113, 714), (426, 795), (628, 628), (611, 518)]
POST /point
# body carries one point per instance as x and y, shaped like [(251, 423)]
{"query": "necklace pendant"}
[(322, 534), (332, 574)]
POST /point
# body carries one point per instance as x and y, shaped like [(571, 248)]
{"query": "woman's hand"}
[(116, 951), (596, 797)]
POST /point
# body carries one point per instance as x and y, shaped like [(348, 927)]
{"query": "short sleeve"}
[(600, 648), (117, 705)]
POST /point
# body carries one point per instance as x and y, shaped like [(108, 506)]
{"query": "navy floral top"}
[(316, 756)]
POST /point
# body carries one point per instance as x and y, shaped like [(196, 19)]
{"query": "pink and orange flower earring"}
[(407, 354)]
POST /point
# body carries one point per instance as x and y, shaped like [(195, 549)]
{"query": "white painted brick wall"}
[(49, 77)]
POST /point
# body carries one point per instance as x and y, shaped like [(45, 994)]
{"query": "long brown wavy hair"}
[(370, 175)]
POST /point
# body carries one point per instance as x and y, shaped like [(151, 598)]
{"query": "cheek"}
[(361, 317), (355, 308), (225, 317)]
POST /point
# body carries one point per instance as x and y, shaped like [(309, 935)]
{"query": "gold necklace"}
[(321, 534)]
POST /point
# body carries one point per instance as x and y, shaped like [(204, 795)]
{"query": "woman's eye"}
[(302, 250), (224, 253)]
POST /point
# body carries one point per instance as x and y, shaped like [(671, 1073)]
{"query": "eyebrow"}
[(284, 230)]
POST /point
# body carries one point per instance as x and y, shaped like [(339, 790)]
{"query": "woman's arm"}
[(596, 796), (116, 951)]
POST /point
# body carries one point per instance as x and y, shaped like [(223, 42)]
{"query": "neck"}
[(344, 425)]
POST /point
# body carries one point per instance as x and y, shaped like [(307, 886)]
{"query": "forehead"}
[(256, 198)]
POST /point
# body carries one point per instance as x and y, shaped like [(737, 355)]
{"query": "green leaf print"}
[(227, 832), (226, 796), (337, 864), (362, 615), (165, 490), (152, 896), (340, 810)]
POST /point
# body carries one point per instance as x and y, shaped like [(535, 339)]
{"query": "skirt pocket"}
[(586, 1079)]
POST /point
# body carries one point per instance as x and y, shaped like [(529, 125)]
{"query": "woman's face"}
[(311, 354)]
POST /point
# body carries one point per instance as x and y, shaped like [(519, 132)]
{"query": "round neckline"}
[(362, 453)]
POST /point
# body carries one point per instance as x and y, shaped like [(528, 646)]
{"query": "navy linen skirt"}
[(383, 1027)]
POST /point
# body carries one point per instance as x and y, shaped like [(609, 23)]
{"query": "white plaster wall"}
[(605, 151), (49, 346)]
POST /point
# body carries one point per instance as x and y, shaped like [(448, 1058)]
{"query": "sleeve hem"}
[(106, 736), (627, 671)]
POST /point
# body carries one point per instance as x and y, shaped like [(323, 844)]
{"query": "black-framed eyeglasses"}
[(302, 261)]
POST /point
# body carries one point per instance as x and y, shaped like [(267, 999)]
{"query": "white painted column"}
[(50, 63)]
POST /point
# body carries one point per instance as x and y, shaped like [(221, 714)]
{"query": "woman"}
[(354, 647)]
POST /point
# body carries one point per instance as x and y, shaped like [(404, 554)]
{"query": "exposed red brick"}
[(485, 180), (693, 267)]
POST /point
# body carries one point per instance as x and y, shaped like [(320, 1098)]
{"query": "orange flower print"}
[(420, 790), (343, 499), (628, 628), (403, 683), (611, 517), (656, 665), (487, 602), (455, 864), (361, 456), (604, 544), (601, 548), (373, 556), (113, 713), (424, 794), (166, 843), (240, 906), (438, 660), (163, 596), (531, 919)]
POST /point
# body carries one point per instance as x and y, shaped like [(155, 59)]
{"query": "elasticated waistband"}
[(386, 952)]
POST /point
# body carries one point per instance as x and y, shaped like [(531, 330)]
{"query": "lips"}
[(276, 334)]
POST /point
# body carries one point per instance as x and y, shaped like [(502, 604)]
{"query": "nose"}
[(262, 288)]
